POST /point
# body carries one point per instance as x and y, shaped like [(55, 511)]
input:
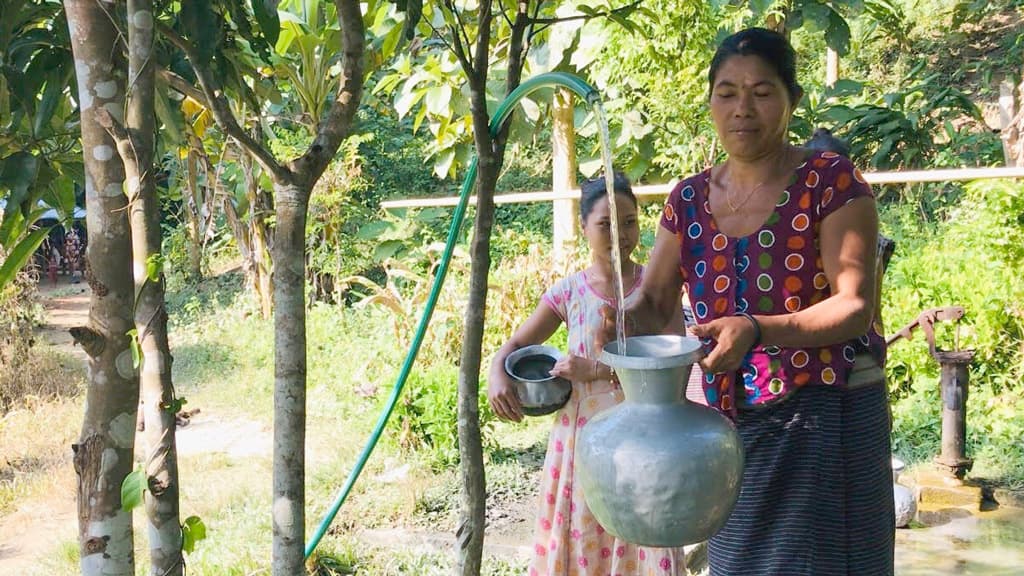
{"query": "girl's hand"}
[(576, 368), (501, 394), (733, 337)]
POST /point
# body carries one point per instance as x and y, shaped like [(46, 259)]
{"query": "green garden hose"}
[(551, 79)]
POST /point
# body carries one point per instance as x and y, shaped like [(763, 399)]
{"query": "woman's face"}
[(750, 107), (597, 227)]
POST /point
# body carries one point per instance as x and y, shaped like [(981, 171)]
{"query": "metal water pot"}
[(657, 469)]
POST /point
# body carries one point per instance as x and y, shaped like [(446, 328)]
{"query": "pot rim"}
[(671, 351), (531, 350)]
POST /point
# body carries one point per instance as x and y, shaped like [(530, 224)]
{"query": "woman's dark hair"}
[(769, 45), (594, 189)]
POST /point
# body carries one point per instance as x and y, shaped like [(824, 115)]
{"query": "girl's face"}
[(597, 227), (750, 107)]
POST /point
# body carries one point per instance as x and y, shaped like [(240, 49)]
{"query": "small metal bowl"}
[(539, 392)]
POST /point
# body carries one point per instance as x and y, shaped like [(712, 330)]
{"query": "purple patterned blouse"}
[(775, 270)]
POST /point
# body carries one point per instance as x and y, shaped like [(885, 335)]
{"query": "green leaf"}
[(20, 254), (421, 115), (373, 230), (154, 267), (795, 19), (133, 487), (531, 109), (387, 249), (172, 125), (269, 21), (408, 98), (837, 35), (845, 87), (759, 7), (18, 173), (133, 334), (816, 15), (443, 164), (438, 99), (174, 406), (193, 530), (53, 94)]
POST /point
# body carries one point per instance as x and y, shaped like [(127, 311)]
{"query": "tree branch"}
[(441, 38), (626, 8), (182, 86), (107, 121), (218, 104), (482, 54), (457, 46), (337, 125), (123, 141), (461, 37)]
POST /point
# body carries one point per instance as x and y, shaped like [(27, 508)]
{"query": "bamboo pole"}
[(660, 190)]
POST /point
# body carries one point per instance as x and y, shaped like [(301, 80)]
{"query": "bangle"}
[(756, 325)]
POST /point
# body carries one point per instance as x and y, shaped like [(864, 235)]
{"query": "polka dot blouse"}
[(775, 270)]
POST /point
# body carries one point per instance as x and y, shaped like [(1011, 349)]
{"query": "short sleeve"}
[(670, 213), (557, 297), (846, 184)]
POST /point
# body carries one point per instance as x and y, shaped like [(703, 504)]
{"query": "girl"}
[(568, 540)]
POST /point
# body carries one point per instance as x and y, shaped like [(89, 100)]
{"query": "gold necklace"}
[(755, 189), (734, 208)]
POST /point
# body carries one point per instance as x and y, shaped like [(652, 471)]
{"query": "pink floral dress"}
[(568, 540)]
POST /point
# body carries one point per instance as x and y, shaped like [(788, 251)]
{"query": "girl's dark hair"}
[(594, 189), (769, 45)]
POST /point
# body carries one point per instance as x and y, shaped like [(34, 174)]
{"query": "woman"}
[(568, 540), (776, 247)]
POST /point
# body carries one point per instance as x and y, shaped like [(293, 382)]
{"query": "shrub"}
[(28, 371), (427, 416)]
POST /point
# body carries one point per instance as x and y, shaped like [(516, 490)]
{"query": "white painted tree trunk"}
[(103, 454), (137, 151)]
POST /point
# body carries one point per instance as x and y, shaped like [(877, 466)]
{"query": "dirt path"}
[(47, 514), (66, 305), (44, 520)]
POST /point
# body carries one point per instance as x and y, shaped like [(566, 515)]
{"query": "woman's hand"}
[(733, 337), (501, 394), (576, 368)]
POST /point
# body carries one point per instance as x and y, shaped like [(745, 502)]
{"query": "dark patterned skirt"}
[(816, 498)]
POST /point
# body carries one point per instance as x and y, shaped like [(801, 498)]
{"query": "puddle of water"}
[(988, 544)]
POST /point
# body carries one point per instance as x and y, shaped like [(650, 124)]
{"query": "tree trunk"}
[(293, 185), (103, 454), (150, 314), (831, 68), (289, 380), (490, 154), (473, 512)]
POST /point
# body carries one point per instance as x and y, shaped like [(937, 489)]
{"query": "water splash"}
[(609, 181)]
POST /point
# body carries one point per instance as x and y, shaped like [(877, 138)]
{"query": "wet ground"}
[(983, 544)]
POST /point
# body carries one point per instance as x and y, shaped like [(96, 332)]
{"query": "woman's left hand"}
[(576, 368), (733, 337)]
